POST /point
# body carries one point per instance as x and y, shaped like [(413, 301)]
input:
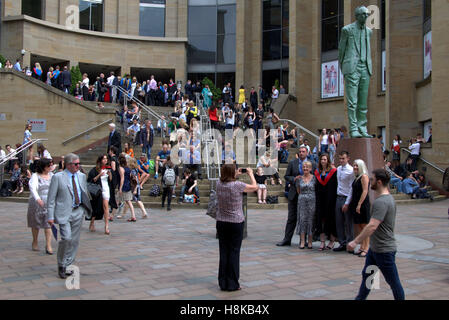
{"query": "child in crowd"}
[(262, 191)]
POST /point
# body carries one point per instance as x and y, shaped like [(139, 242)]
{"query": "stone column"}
[(440, 87), (404, 43), (171, 18), (110, 16), (252, 50), (182, 18), (240, 36), (51, 10), (12, 8)]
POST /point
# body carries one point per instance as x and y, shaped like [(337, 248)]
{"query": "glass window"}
[(330, 35), (272, 14), (272, 45), (329, 8), (226, 17), (275, 26), (202, 20), (32, 8), (331, 24), (202, 49), (212, 40), (285, 43), (383, 19), (226, 49), (427, 9), (91, 15), (152, 18), (285, 13)]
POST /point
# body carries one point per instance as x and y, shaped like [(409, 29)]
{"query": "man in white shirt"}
[(343, 217), (133, 130), (162, 126), (274, 95), (415, 149)]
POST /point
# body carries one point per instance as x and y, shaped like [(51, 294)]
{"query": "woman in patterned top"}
[(230, 221)]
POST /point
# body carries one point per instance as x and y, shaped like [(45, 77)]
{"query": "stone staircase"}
[(88, 160)]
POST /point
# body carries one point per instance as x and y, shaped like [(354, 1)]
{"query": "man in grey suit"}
[(293, 173), (354, 56), (68, 202)]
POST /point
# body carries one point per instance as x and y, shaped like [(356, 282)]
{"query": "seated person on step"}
[(189, 186)]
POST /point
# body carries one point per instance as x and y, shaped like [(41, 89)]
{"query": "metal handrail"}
[(303, 129), (20, 149), (208, 139), (127, 96), (11, 155), (425, 161), (87, 131)]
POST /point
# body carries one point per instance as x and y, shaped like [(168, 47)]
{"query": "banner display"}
[(427, 54), (329, 79)]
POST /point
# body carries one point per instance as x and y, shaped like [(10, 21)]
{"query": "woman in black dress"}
[(326, 197), (360, 204), (113, 160)]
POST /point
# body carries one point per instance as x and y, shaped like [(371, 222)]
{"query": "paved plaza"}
[(175, 256)]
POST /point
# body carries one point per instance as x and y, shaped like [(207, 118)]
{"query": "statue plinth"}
[(368, 150)]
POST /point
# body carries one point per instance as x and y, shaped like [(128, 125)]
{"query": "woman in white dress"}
[(101, 175), (37, 204)]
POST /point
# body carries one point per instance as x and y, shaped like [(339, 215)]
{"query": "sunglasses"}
[(76, 164)]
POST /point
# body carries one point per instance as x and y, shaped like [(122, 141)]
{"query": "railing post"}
[(2, 172), (245, 214)]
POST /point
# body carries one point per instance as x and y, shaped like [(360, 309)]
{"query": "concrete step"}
[(153, 202)]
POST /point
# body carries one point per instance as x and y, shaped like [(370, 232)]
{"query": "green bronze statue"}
[(354, 56)]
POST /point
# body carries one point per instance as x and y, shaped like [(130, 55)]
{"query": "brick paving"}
[(175, 256)]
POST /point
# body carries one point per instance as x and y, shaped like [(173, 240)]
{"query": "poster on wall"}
[(329, 79), (427, 54), (384, 70), (342, 85), (38, 125)]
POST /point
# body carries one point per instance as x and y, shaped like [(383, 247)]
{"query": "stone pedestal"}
[(368, 150)]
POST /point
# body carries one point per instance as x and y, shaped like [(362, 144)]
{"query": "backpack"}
[(272, 200), (6, 189), (169, 177), (284, 156), (152, 167), (155, 191)]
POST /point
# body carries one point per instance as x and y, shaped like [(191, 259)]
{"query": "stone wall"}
[(51, 40), (23, 98)]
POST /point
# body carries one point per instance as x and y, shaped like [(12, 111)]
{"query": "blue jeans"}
[(397, 183), (324, 148), (386, 264), (196, 192), (147, 151)]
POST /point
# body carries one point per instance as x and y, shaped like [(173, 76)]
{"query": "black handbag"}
[(272, 200), (94, 189)]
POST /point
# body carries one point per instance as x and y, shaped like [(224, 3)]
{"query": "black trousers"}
[(230, 236), (292, 219), (167, 193)]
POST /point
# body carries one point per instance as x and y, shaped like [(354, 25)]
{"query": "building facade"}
[(253, 42)]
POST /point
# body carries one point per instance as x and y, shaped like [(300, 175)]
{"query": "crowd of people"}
[(325, 202)]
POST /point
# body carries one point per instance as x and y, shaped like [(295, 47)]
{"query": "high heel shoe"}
[(50, 253), (107, 232)]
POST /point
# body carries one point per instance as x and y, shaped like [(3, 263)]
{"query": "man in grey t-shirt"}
[(381, 255)]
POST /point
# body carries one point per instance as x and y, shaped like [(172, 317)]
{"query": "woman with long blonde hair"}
[(360, 203)]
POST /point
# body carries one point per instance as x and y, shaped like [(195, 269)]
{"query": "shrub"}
[(76, 77), (215, 91)]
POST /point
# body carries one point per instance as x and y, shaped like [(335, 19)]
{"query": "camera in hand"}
[(244, 171)]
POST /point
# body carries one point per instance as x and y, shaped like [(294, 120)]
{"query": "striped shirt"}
[(230, 198)]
